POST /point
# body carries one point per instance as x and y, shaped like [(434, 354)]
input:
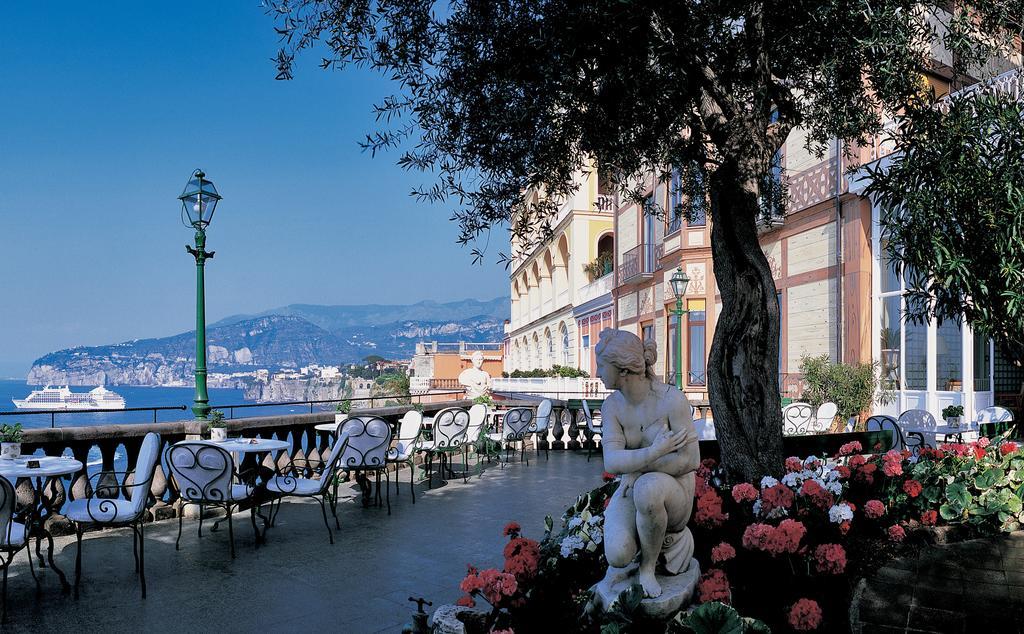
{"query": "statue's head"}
[(621, 353), (478, 359)]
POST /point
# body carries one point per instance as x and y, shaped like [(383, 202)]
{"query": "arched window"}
[(564, 336), (549, 342), (606, 253)]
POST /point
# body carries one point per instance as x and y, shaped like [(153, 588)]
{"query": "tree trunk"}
[(743, 366)]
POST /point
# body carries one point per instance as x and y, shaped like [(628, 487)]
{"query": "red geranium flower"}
[(608, 477), (794, 464), (830, 559), (778, 496), (805, 615), (709, 510), (850, 448), (714, 586), (744, 492), (896, 533), (929, 517), (512, 528), (722, 552), (817, 494), (874, 509), (912, 488), (1007, 448)]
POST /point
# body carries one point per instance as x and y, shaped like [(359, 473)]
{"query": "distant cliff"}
[(237, 348)]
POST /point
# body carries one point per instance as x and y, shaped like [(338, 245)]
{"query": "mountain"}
[(335, 318), (243, 344)]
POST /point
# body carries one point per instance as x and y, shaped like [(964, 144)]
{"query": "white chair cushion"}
[(240, 491), (100, 510), (293, 486), (17, 535), (403, 449)]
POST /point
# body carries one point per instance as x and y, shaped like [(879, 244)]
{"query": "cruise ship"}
[(63, 398)]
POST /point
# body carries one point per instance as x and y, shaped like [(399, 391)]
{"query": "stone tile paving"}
[(298, 581), (972, 586)]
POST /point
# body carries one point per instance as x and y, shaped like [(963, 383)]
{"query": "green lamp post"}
[(198, 202), (679, 282)]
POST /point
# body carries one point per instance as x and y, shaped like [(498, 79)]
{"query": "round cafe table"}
[(41, 477), (254, 446)]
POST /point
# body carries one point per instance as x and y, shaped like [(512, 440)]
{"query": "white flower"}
[(595, 520), (811, 460), (792, 480), (596, 535), (834, 487), (840, 513), (575, 522), (767, 482), (757, 507), (570, 544)]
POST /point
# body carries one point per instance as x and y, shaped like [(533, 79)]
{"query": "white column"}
[(967, 363)]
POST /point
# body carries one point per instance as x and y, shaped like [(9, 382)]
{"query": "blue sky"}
[(107, 108)]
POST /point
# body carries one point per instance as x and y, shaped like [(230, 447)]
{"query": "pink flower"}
[(912, 488), (984, 442), (850, 448), (892, 463), (830, 559), (805, 615), (744, 492), (709, 510), (466, 601), (874, 509), (722, 552), (714, 586), (896, 533), (794, 464), (784, 538), (1007, 448)]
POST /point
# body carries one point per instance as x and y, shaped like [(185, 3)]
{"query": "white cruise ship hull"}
[(62, 398)]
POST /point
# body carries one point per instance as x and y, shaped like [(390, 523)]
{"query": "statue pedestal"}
[(676, 591)]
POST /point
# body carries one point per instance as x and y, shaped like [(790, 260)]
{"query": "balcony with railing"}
[(595, 289), (640, 263)]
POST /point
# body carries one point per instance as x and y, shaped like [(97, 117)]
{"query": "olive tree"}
[(495, 97), (954, 195)]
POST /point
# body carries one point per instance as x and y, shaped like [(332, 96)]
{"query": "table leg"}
[(41, 532)]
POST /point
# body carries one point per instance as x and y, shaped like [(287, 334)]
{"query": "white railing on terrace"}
[(552, 386), (597, 288)]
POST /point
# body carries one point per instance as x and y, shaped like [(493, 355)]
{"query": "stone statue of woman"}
[(649, 439)]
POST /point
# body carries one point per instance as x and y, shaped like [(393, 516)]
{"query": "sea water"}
[(134, 397)]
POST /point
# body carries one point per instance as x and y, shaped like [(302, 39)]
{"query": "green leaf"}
[(988, 478), (957, 491), (755, 626), (950, 513), (714, 618)]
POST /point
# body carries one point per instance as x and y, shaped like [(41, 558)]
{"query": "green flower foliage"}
[(852, 387), (554, 371)]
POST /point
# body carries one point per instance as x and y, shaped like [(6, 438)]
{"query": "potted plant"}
[(218, 426), (342, 411), (10, 441), (953, 414)]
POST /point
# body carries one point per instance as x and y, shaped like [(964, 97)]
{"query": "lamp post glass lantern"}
[(198, 202), (679, 282)]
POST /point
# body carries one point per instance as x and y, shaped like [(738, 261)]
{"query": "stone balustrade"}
[(308, 448)]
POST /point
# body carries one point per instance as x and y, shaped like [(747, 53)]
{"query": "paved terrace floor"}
[(298, 581)]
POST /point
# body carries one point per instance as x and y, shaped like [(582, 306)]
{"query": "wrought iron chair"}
[(205, 475), (292, 484), (12, 537), (474, 437), (404, 452), (797, 419), (882, 422), (105, 507), (369, 438), (450, 433), (540, 425), (824, 417), (995, 421), (515, 426), (922, 419), (596, 429)]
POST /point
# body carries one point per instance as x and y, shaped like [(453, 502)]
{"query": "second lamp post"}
[(679, 282), (198, 202)]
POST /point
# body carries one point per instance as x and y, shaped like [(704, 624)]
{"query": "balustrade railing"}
[(640, 261)]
